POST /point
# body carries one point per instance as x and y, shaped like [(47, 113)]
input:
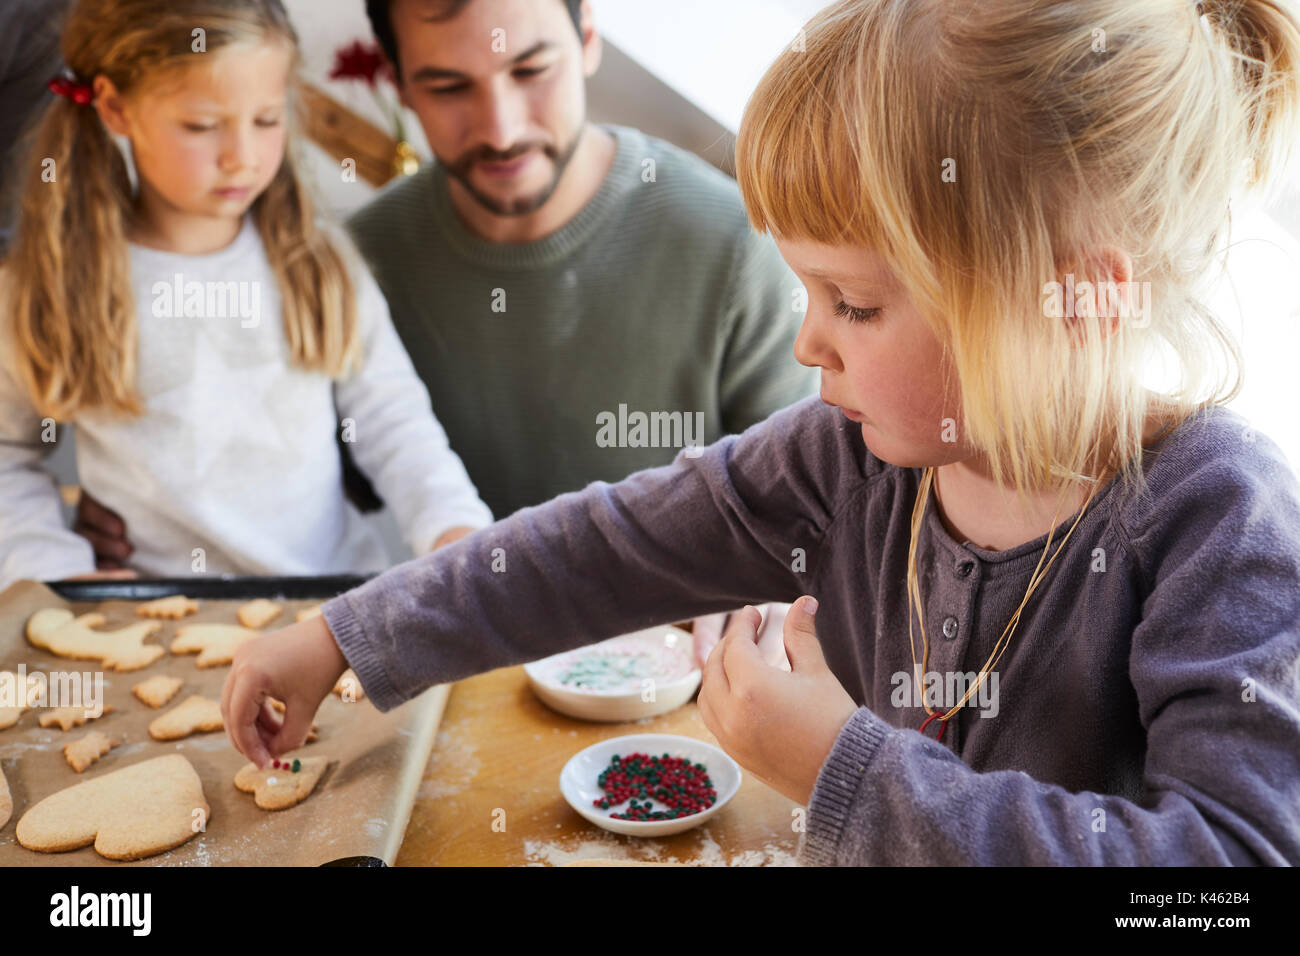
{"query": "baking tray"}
[(380, 757), (229, 588)]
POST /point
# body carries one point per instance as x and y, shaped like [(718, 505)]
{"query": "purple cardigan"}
[(1152, 705)]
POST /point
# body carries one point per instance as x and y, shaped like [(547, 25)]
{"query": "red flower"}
[(360, 61)]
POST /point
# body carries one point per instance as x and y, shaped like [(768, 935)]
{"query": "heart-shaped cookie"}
[(277, 788), (6, 801), (127, 814), (215, 643), (57, 631)]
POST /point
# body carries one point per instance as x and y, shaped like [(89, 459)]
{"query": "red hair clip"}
[(79, 93)]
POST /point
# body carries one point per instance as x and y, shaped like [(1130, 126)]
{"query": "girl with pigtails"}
[(173, 293)]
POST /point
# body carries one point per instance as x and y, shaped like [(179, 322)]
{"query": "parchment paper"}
[(360, 807)]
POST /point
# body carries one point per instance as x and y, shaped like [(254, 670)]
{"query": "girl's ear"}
[(111, 106), (1101, 290)]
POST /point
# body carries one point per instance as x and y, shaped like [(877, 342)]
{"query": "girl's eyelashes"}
[(200, 128), (854, 313)]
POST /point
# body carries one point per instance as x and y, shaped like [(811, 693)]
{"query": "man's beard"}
[(460, 171)]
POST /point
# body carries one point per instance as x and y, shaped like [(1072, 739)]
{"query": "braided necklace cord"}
[(914, 594)]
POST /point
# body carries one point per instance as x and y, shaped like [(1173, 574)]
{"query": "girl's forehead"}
[(837, 263), (238, 73)]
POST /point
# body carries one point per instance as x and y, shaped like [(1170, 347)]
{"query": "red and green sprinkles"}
[(681, 786), (284, 765)]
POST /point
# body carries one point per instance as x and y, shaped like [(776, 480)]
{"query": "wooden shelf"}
[(345, 134)]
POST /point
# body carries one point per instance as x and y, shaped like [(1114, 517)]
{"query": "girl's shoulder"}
[(1214, 441), (1209, 472)]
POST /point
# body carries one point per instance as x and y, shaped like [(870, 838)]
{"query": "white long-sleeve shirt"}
[(234, 466)]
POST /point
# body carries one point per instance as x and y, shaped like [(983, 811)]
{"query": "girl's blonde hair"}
[(73, 316), (987, 147)]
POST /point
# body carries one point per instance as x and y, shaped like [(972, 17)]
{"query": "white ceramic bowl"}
[(579, 780), (616, 705)]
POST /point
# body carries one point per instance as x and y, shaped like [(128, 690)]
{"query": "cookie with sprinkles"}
[(284, 783)]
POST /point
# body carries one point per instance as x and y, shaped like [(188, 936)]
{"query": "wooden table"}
[(491, 791)]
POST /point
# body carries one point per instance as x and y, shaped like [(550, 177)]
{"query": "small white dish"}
[(626, 697), (579, 780)]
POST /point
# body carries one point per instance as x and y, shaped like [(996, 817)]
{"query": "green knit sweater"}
[(655, 319)]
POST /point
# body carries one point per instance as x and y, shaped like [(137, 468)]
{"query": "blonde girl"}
[(206, 332), (1057, 614)]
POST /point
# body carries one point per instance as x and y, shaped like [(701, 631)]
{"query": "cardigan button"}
[(965, 568), (950, 627)]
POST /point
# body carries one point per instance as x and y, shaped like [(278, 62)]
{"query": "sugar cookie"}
[(6, 800), (69, 717), (9, 690), (57, 631), (277, 788), (349, 682), (157, 690), (215, 643), (196, 715), (80, 754), (169, 608), (258, 613), (127, 814)]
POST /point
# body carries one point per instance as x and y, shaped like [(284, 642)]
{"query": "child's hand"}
[(708, 632), (779, 726), (298, 665), (452, 535), (105, 530)]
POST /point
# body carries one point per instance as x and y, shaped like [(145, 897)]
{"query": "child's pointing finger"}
[(242, 714)]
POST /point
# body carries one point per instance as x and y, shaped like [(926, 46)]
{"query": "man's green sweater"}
[(559, 362)]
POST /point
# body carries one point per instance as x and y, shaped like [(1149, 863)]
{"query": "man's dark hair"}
[(441, 10)]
